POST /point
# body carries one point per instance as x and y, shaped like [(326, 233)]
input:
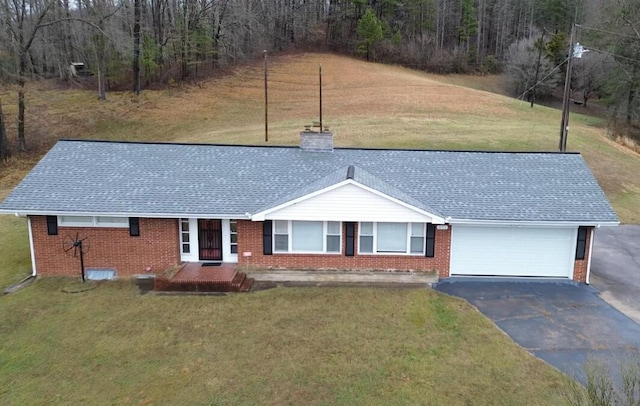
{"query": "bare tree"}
[(5, 152), (521, 65), (590, 73), (99, 13), (23, 19), (166, 40), (136, 46)]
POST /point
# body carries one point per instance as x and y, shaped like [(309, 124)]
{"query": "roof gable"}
[(356, 176), (348, 201)]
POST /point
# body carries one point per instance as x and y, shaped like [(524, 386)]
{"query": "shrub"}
[(605, 387)]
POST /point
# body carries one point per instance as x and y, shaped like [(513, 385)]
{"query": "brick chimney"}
[(321, 141)]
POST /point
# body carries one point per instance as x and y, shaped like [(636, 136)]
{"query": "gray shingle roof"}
[(184, 179)]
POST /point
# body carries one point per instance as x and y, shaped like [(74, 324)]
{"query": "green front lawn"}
[(281, 346), (15, 260)]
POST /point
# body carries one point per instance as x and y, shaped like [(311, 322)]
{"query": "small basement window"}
[(100, 274)]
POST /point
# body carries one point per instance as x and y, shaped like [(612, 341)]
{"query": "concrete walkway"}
[(343, 278)]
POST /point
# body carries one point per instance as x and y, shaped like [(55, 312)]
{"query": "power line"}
[(543, 79), (607, 32), (612, 54)]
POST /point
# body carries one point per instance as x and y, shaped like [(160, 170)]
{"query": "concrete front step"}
[(344, 278)]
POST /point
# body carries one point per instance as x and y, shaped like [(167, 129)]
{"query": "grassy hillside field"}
[(365, 104), (283, 346)]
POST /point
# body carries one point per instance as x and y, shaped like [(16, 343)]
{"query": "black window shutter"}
[(581, 246), (430, 248), (134, 226), (267, 237), (350, 234), (52, 225)]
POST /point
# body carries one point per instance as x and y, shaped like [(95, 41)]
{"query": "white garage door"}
[(513, 251)]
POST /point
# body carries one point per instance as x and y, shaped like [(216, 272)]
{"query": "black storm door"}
[(210, 240)]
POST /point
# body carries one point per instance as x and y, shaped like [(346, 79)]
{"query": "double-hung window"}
[(281, 236), (307, 236), (416, 238), (391, 238)]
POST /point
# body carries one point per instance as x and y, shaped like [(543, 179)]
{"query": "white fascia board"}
[(24, 213), (261, 216), (435, 219), (525, 223)]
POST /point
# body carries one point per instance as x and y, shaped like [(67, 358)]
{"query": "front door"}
[(210, 239)]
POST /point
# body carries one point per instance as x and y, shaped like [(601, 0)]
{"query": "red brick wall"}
[(250, 240), (580, 265), (157, 247)]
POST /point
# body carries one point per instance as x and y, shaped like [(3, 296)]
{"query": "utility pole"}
[(266, 100), (320, 75), (564, 122)]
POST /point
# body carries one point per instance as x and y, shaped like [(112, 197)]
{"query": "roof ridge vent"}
[(350, 171)]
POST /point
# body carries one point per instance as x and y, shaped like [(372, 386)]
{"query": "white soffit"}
[(348, 201)]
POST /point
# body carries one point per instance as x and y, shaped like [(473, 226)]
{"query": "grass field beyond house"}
[(364, 104), (315, 346)]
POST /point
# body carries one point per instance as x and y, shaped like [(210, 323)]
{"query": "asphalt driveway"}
[(615, 267), (561, 323)]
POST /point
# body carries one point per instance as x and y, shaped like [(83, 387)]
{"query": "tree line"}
[(139, 43)]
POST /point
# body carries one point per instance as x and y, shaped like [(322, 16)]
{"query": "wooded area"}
[(139, 43)]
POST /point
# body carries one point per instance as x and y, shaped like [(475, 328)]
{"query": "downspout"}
[(31, 249), (591, 238)]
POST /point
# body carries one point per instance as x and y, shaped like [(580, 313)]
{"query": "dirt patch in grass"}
[(281, 346)]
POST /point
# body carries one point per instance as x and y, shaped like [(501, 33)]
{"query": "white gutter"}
[(25, 213), (31, 249), (516, 223), (593, 234)]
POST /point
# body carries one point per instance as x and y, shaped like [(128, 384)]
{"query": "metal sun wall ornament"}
[(76, 247)]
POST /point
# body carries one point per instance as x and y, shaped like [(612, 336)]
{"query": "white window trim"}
[(193, 240), (182, 233), (93, 223), (290, 241), (231, 233), (408, 242), (227, 255)]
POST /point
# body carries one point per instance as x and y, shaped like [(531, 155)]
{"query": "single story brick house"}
[(148, 206)]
